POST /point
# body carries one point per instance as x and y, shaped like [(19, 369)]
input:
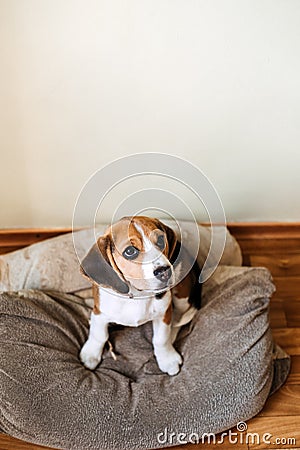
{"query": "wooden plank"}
[(267, 238), (263, 230), (10, 443), (277, 314), (287, 287), (285, 402), (15, 239), (292, 312), (288, 339), (22, 237), (280, 265), (269, 246), (294, 375), (287, 427)]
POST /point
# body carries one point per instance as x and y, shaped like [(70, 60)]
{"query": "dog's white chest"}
[(129, 311)]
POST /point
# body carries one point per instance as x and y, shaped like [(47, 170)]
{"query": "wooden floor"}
[(279, 250)]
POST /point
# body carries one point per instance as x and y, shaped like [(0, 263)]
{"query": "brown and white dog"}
[(134, 267)]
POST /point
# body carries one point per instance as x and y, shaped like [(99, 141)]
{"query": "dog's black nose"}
[(163, 273)]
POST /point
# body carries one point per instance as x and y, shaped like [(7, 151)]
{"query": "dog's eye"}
[(160, 242), (130, 252)]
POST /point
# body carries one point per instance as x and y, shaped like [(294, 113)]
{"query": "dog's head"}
[(135, 251)]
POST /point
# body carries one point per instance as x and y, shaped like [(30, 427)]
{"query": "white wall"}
[(84, 82)]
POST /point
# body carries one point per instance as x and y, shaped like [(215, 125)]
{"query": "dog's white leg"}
[(91, 352), (168, 359)]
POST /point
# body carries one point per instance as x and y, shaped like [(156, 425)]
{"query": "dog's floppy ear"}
[(171, 237), (99, 266)]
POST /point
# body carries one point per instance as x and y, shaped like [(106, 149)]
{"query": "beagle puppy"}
[(134, 267)]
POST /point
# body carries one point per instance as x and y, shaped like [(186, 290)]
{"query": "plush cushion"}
[(49, 398), (53, 263), (50, 264)]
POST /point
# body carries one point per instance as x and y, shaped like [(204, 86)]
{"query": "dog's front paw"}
[(90, 355), (169, 361)]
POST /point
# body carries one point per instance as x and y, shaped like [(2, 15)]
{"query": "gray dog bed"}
[(47, 397)]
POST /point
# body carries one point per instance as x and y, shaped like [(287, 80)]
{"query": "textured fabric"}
[(50, 264), (49, 398), (53, 263)]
